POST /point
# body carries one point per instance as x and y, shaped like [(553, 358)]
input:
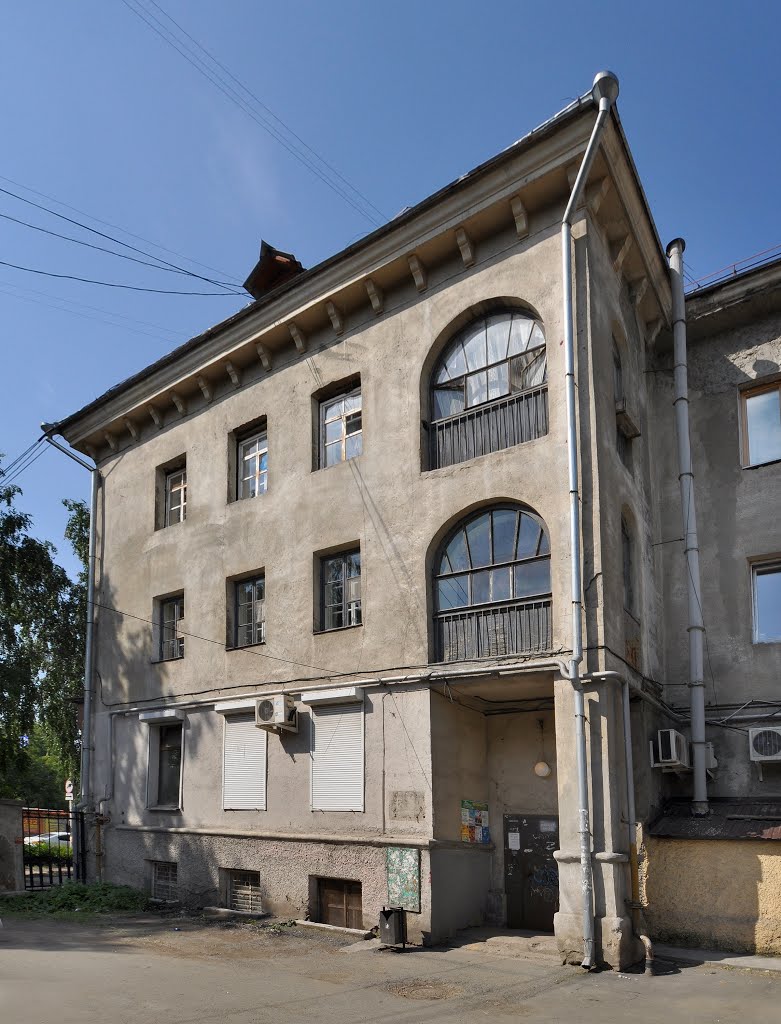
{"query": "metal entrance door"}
[(340, 902), (531, 875)]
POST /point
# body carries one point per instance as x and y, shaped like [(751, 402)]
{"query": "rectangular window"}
[(244, 764), (169, 765), (250, 612), (767, 603), (341, 431), (340, 581), (762, 424), (171, 640), (164, 881), (252, 462), (175, 497), (244, 892), (337, 758)]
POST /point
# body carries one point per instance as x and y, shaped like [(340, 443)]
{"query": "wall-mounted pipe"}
[(691, 550), (605, 92)]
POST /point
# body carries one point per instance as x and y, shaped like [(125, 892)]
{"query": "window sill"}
[(759, 465), (166, 661), (243, 647), (336, 629), (343, 462), (167, 809)]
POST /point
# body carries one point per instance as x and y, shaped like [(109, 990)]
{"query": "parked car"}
[(51, 838)]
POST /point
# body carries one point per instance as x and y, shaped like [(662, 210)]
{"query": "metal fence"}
[(53, 847), (492, 632), (489, 428)]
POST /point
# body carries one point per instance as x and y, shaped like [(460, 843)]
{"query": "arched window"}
[(487, 388), (493, 586)]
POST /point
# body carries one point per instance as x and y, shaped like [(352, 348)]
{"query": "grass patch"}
[(76, 898)]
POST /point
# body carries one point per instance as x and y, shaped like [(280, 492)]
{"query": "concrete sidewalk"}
[(717, 958)]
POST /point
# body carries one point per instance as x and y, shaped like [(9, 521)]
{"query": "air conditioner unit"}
[(276, 713), (670, 751), (764, 744)]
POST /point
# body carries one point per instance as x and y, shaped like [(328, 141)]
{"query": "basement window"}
[(244, 892), (165, 886)]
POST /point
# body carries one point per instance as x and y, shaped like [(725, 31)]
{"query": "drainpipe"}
[(604, 92), (691, 550), (86, 733)]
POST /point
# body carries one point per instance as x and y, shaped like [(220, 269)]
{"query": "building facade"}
[(333, 609)]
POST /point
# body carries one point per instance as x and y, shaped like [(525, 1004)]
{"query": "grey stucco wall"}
[(738, 521), (11, 864)]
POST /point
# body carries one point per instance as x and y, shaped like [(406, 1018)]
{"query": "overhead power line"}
[(328, 177), (101, 248), (23, 462), (114, 227), (112, 284), (117, 241)]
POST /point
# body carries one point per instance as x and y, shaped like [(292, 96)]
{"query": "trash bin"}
[(393, 926)]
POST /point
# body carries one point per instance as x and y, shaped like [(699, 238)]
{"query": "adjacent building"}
[(333, 607)]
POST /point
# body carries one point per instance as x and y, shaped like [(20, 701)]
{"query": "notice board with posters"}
[(403, 869), (474, 822)]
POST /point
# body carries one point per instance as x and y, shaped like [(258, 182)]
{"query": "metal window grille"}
[(253, 466), (341, 428), (171, 642), (245, 893), (164, 881), (251, 612), (175, 497), (341, 590)]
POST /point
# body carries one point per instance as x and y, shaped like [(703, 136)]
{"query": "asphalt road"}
[(185, 972)]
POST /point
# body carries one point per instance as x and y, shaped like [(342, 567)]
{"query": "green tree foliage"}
[(42, 616)]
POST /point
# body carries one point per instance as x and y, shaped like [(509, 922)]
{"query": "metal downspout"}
[(691, 550), (604, 91), (86, 734)]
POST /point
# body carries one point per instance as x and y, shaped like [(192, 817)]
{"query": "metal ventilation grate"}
[(767, 743), (164, 881), (245, 892)]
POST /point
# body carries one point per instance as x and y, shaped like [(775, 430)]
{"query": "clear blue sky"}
[(101, 114)]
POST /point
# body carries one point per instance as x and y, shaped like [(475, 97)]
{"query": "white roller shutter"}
[(337, 758), (244, 765)]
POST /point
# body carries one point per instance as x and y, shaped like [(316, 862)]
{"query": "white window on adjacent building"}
[(766, 580), (761, 424), (244, 764), (337, 757), (175, 497), (165, 885), (253, 465), (341, 429)]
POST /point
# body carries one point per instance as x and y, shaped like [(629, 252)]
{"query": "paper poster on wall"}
[(514, 840), (402, 864), (474, 822)]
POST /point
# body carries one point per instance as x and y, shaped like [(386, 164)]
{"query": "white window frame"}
[(176, 482), (260, 476), (257, 627), (352, 607), (340, 417), (241, 711), (757, 568), (156, 720), (177, 601), (355, 706)]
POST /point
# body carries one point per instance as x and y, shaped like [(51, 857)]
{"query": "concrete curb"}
[(717, 958), (357, 932)]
